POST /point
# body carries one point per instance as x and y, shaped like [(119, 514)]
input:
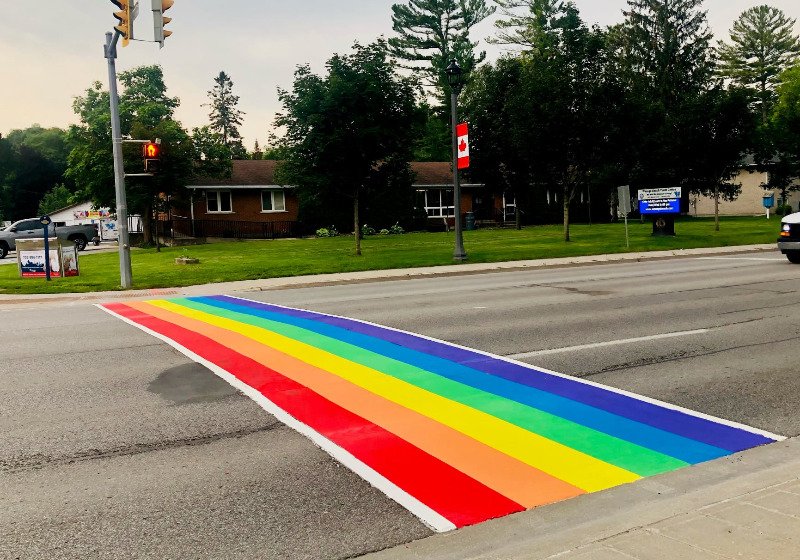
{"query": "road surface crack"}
[(681, 356), (15, 465)]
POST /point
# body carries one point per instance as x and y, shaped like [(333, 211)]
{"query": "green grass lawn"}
[(249, 260)]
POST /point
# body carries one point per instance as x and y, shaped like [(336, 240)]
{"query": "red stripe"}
[(454, 495), (461, 129)]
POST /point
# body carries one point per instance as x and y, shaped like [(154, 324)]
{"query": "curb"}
[(317, 280)]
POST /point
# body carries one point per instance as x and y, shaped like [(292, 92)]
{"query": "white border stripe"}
[(643, 398), (427, 515), (604, 344)]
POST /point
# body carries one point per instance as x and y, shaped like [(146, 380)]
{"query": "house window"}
[(273, 201), (439, 203), (219, 202)]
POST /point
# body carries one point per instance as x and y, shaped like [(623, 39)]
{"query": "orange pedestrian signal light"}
[(152, 151)]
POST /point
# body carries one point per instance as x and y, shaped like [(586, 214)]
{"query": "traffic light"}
[(126, 14), (151, 152), (160, 20)]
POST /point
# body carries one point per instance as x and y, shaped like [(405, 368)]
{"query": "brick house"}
[(252, 196)]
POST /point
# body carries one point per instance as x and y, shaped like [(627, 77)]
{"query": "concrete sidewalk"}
[(375, 275), (743, 506)]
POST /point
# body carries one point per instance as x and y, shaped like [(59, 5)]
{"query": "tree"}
[(146, 112), (531, 29), (717, 135), (762, 46), (433, 32), (668, 47), (348, 135), (212, 156), (497, 155), (784, 131), (55, 199), (662, 54), (541, 121), (432, 138), (225, 116), (32, 161)]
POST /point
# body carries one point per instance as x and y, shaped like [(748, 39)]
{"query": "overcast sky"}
[(49, 57)]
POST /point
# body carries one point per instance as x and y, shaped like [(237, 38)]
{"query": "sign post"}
[(624, 208), (46, 221)]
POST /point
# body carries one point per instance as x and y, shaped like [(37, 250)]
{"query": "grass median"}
[(251, 260)]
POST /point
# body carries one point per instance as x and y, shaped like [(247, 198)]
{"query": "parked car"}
[(32, 229), (789, 241)]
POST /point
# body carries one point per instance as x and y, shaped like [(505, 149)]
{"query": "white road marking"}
[(773, 259), (604, 344)]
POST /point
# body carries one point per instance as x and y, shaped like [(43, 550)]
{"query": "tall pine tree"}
[(669, 47), (225, 116), (528, 23), (762, 46), (433, 32)]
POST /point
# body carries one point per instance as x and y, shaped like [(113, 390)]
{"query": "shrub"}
[(397, 229), (367, 230), (385, 232), (783, 209), (327, 232)]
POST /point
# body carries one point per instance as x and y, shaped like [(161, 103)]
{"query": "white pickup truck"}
[(32, 229), (789, 240)]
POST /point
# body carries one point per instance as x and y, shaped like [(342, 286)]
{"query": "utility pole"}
[(125, 274)]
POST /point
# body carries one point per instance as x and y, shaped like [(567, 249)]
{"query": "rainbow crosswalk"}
[(455, 435)]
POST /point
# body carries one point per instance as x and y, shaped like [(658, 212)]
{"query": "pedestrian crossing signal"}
[(151, 152)]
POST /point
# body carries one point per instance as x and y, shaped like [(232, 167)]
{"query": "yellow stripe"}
[(558, 460)]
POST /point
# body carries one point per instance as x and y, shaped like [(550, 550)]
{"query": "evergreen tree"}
[(225, 116), (762, 46), (668, 47), (433, 32), (533, 28)]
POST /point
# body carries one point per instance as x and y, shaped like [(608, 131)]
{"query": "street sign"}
[(462, 132), (624, 200)]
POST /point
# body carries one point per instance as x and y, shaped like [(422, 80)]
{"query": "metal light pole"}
[(454, 76), (119, 171)]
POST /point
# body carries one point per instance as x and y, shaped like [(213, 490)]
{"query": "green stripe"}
[(613, 450)]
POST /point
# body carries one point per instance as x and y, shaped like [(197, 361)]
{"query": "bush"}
[(327, 232), (783, 209), (385, 232), (367, 230), (397, 229)]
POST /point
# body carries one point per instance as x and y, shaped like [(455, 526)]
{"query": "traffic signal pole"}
[(119, 171)]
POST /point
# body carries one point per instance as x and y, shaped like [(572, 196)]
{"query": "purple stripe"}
[(674, 421)]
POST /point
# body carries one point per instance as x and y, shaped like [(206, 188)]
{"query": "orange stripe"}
[(512, 478)]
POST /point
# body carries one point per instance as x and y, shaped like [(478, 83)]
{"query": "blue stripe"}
[(664, 419), (639, 434)]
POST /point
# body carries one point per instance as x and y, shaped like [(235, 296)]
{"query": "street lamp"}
[(455, 79)]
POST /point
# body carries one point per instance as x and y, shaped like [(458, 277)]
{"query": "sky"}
[(48, 59)]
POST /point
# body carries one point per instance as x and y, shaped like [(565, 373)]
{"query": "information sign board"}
[(660, 201)]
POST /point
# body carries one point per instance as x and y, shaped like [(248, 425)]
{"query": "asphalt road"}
[(115, 445)]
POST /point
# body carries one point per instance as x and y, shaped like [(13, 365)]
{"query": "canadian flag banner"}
[(462, 134)]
